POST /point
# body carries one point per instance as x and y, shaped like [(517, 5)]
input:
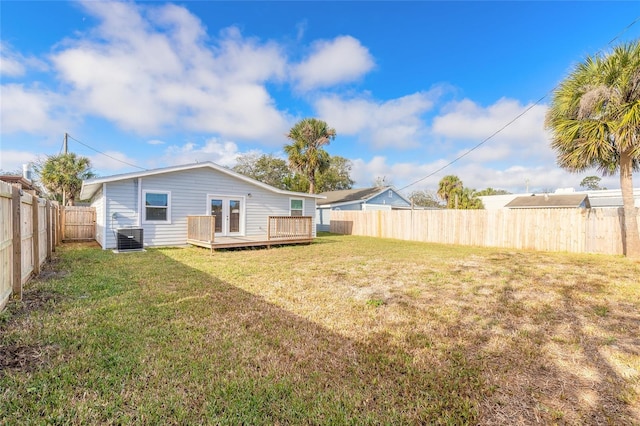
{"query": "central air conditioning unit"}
[(129, 239)]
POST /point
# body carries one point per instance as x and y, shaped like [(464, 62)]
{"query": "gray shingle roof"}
[(347, 195), (549, 201)]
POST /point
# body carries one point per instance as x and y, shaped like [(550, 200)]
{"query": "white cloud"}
[(395, 123), (224, 153), (523, 141), (473, 175), (115, 161), (148, 68), (28, 110), (155, 142), (14, 64), (12, 160), (332, 62)]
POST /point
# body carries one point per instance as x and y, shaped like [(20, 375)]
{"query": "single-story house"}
[(546, 201), (364, 199), (159, 201)]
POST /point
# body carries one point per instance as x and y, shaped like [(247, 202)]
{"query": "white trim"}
[(243, 212), (106, 226), (301, 210), (143, 207), (139, 219)]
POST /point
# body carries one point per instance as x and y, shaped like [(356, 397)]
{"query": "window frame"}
[(291, 210), (144, 207)]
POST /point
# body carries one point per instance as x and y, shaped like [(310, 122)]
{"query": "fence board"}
[(6, 243), (570, 230), (25, 238), (79, 223)]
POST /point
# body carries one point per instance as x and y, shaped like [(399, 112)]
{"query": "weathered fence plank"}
[(27, 238), (79, 223), (570, 230)]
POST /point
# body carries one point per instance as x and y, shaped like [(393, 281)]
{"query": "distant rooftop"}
[(547, 201), (347, 195)]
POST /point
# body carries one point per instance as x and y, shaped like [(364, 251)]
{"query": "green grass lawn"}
[(348, 330)]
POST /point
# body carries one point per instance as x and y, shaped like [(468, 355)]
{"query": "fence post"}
[(49, 229), (63, 219), (17, 241), (35, 239)]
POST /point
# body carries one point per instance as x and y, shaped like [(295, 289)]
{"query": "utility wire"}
[(106, 155), (529, 108)]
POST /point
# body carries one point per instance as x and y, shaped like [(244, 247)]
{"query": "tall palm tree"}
[(595, 122), (63, 174), (306, 155), (448, 187)]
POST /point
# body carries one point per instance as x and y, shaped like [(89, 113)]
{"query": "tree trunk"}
[(312, 184), (631, 237)]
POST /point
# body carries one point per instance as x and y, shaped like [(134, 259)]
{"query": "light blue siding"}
[(97, 202), (394, 200), (121, 208)]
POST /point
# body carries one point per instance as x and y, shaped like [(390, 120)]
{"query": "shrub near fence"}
[(29, 232), (571, 230)]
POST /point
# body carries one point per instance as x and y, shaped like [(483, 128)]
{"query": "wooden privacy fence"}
[(571, 230), (29, 233), (78, 223)]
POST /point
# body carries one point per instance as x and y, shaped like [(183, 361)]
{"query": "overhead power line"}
[(106, 155), (526, 110)]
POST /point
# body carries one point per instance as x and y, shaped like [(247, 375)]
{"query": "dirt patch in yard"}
[(19, 356)]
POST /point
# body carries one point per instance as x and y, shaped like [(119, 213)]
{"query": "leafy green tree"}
[(592, 183), (266, 168), (305, 152), (594, 118), (274, 171), (424, 199), (468, 200), (337, 176), (491, 191), (456, 196), (62, 175), (448, 187)]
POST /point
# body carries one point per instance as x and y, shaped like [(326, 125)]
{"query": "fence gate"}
[(78, 223)]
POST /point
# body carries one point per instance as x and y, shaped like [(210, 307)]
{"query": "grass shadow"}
[(145, 338)]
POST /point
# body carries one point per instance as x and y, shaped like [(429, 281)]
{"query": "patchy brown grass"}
[(347, 330)]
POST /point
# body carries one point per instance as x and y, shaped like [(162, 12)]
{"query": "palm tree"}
[(448, 187), (594, 118), (306, 155), (63, 174)]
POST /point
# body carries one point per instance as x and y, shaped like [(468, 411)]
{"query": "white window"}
[(390, 194), (296, 207), (157, 206)]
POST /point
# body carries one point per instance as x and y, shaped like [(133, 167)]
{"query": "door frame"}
[(225, 213)]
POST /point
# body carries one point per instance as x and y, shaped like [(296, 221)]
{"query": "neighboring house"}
[(546, 201), (606, 198), (159, 201), (22, 183), (376, 198)]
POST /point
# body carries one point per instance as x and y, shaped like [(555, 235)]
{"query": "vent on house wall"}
[(129, 239)]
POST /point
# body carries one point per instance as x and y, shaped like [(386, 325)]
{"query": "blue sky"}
[(408, 86)]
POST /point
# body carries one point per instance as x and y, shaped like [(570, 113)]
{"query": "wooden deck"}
[(282, 230)]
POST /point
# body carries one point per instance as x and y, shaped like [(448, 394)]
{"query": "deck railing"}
[(290, 227), (201, 229)]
